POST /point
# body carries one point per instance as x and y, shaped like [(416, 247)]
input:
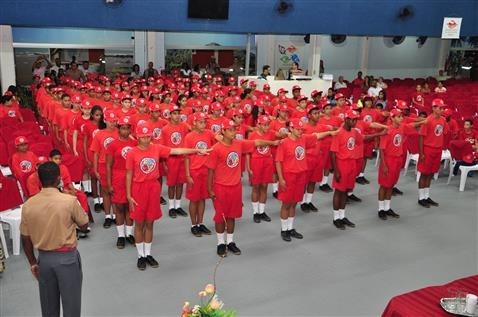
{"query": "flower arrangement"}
[(210, 306)]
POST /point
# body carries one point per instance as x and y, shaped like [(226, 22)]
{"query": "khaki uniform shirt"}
[(50, 219)]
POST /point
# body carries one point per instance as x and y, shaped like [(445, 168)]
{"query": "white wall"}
[(341, 59)]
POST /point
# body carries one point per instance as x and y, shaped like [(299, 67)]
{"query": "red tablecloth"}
[(426, 301)]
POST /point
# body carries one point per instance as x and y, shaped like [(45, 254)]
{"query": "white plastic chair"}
[(3, 241), (410, 157), (13, 218), (463, 173)]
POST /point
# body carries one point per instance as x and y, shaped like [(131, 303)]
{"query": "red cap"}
[(116, 95), (351, 114), (395, 112), (295, 87), (144, 88), (154, 107), (173, 108), (218, 78), (126, 96), (401, 104), (282, 99), (155, 90), (263, 120), (228, 124), (86, 104), (208, 76), (197, 104), (355, 106), (266, 86), (252, 84), (76, 99), (302, 97), (124, 121), (110, 116), (243, 81), (21, 140), (281, 90), (296, 123), (283, 107), (204, 90), (312, 107), (140, 102), (231, 80), (237, 99), (98, 89), (315, 92), (339, 95), (447, 112), (199, 116), (216, 106), (143, 130), (237, 112), (42, 159), (219, 93), (437, 102)]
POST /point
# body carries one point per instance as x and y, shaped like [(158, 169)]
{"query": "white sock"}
[(426, 192), (96, 200), (108, 216), (325, 180), (171, 203), (230, 237), (275, 187), (220, 238), (304, 198), (387, 204), (421, 193), (129, 230), (308, 197), (290, 223), (336, 215), (342, 213), (147, 248), (361, 175), (140, 249), (262, 208), (284, 223), (120, 230), (350, 193), (381, 205), (177, 203), (113, 216), (255, 207)]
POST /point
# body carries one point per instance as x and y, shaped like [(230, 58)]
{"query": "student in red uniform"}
[(468, 134), (224, 183), (260, 166), (23, 162), (116, 154), (391, 162), (99, 145), (430, 144), (196, 173), (291, 166), (172, 135), (279, 127), (8, 109), (143, 189)]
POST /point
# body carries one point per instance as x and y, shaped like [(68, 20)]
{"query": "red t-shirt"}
[(157, 127), (144, 163), (65, 176), (215, 124), (172, 135), (339, 112), (433, 131), (12, 111), (278, 125), (225, 160), (262, 151), (469, 137), (392, 142), (292, 153), (33, 184), (119, 150), (23, 163), (198, 140), (344, 144), (300, 114), (101, 141)]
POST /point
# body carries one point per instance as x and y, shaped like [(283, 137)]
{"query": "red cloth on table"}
[(426, 301), (9, 193)]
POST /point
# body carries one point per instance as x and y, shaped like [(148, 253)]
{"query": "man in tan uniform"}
[(49, 222)]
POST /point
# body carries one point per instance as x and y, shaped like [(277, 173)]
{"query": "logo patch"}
[(26, 166), (263, 149), (351, 143), (438, 130), (201, 145), (147, 165), (239, 136), (232, 160), (94, 132), (397, 140), (299, 153), (107, 142), (176, 138), (125, 151), (367, 118), (215, 128), (156, 133)]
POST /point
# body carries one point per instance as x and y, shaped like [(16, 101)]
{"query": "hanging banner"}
[(287, 52), (451, 28)]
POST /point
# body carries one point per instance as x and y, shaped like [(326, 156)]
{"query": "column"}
[(7, 60), (265, 52), (140, 49), (313, 68), (155, 49), (443, 54), (364, 58)]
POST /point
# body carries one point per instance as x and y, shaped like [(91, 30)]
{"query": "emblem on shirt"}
[(367, 118), (341, 115), (232, 160), (358, 130), (351, 143), (125, 151), (247, 107), (156, 133), (419, 98), (304, 119), (215, 128), (176, 138), (283, 130), (263, 149), (141, 122), (94, 132), (26, 166), (299, 153), (166, 113), (183, 117), (201, 145), (438, 130), (12, 113), (397, 140), (107, 142), (205, 108), (147, 165), (82, 128), (239, 136)]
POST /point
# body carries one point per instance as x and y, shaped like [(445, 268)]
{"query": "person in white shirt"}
[(340, 84), (185, 70), (57, 66), (85, 68), (440, 89), (381, 83), (374, 89), (38, 69)]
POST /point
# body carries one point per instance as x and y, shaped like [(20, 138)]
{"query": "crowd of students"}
[(133, 134)]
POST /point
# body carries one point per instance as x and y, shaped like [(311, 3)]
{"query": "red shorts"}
[(228, 202), (368, 148), (147, 195), (118, 181), (295, 187), (359, 166), (431, 163), (262, 170), (176, 171), (394, 165), (325, 158), (198, 191), (102, 172), (348, 170), (315, 173)]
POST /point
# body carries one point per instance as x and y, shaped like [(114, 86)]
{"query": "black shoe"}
[(98, 208), (305, 207), (89, 194), (172, 213), (265, 217), (151, 261), (180, 211), (204, 229), (196, 231), (221, 250), (233, 248), (131, 240), (81, 234), (108, 222), (120, 242), (141, 263), (163, 201), (348, 223), (396, 191), (257, 218), (325, 188), (339, 224), (295, 234), (392, 213), (424, 203), (432, 202), (366, 181), (275, 194), (285, 235), (382, 214), (360, 180), (313, 208), (354, 198)]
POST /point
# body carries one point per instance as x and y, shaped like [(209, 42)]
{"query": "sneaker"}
[(295, 234), (163, 201), (204, 229), (396, 191), (180, 211), (285, 235), (141, 263), (354, 198), (221, 250), (313, 208), (233, 248), (305, 207), (265, 217), (382, 214), (131, 240), (172, 213), (257, 218), (424, 203), (432, 202), (196, 231), (366, 181), (108, 222), (98, 208), (348, 223), (151, 261), (339, 224), (325, 188), (360, 180), (275, 195), (81, 234), (392, 213), (120, 243)]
